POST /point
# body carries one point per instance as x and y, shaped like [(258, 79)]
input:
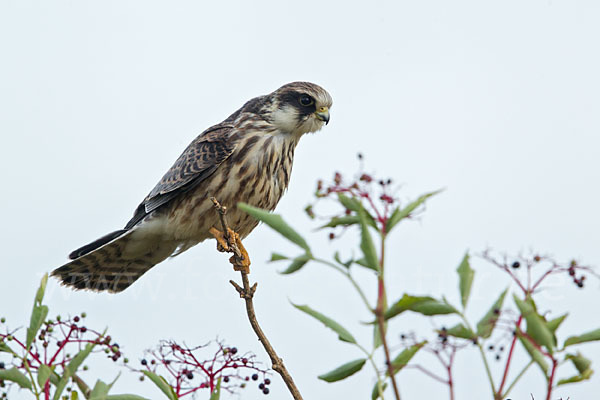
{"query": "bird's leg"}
[(231, 243)]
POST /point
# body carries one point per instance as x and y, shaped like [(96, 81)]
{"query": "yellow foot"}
[(223, 243), (229, 244)]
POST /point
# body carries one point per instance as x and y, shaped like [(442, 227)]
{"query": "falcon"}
[(246, 158)]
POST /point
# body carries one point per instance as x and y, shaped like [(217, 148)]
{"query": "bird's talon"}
[(222, 244)]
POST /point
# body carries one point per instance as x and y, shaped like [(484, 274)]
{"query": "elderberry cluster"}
[(191, 369), (374, 194)]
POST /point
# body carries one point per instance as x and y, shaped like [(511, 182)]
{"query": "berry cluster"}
[(187, 371), (375, 195), (58, 341), (537, 269)]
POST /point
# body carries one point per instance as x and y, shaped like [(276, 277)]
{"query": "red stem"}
[(62, 346), (509, 359), (449, 369), (551, 380)]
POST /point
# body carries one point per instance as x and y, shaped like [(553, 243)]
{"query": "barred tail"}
[(111, 267)]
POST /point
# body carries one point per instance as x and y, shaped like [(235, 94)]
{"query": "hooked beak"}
[(323, 114)]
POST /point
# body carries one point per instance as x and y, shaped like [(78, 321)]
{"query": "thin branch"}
[(247, 293)]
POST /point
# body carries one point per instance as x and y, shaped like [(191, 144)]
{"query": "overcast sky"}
[(497, 101)]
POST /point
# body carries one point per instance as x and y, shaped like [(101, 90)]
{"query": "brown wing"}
[(198, 161)]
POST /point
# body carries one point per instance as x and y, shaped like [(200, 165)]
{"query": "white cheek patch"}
[(286, 118)]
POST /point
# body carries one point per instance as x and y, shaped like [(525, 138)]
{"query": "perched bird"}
[(247, 157)]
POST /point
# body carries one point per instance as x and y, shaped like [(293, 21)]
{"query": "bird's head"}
[(299, 107)]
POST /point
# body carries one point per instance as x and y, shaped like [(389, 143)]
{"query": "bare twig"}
[(247, 293)]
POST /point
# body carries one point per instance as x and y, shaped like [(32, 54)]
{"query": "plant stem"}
[(483, 357), (374, 365), (350, 278), (551, 380), (514, 382), (449, 368), (499, 394), (379, 314)]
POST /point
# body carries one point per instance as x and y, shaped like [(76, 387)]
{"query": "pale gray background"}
[(496, 101)]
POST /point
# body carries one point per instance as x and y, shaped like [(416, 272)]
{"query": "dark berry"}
[(2, 365), (190, 375), (331, 236), (497, 357), (76, 319), (234, 350), (244, 361), (115, 357), (247, 378), (491, 347), (537, 258), (144, 362), (261, 386), (226, 379), (516, 264), (267, 381), (266, 390), (255, 377)]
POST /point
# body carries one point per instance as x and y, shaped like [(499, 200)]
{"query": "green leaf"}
[(580, 362), (553, 324), (72, 368), (343, 334), (422, 304), (346, 264), (461, 331), (14, 375), (349, 202), (38, 316), (486, 325), (465, 275), (586, 337), (577, 378), (4, 348), (343, 371), (216, 395), (366, 243), (536, 326), (345, 220), (43, 374), (375, 394), (277, 257), (534, 353), (162, 384), (583, 366), (39, 296), (402, 359), (276, 222), (100, 391), (296, 264), (400, 214)]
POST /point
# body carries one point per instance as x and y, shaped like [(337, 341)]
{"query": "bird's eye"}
[(306, 100)]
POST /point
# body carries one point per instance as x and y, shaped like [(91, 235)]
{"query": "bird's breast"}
[(257, 173)]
